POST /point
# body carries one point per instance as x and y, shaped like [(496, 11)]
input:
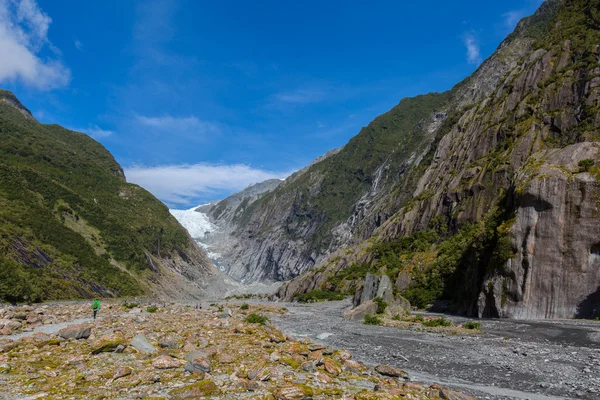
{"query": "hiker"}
[(95, 307)]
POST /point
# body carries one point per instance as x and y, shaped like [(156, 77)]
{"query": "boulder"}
[(295, 392), (198, 361), (400, 306), (106, 343), (358, 313), (202, 389), (165, 362), (387, 370), (141, 344), (80, 331)]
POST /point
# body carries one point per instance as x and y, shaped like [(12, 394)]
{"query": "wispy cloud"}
[(23, 34), (190, 124), (298, 97), (95, 131), (512, 18), (473, 49), (78, 45), (181, 184)]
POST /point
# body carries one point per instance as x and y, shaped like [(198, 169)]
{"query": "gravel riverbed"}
[(507, 360)]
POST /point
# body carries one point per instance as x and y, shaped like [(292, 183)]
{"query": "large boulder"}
[(358, 313), (80, 331), (400, 306), (141, 344)]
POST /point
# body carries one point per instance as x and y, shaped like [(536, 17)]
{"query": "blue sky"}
[(197, 99)]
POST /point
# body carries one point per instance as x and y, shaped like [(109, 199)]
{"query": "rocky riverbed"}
[(175, 351), (507, 359)]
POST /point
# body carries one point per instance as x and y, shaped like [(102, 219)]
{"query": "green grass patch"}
[(472, 325), (256, 319), (433, 323), (318, 295), (372, 320)]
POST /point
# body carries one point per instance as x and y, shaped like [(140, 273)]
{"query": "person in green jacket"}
[(95, 307)]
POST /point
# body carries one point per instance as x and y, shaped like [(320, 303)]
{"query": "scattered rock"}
[(358, 313), (199, 389), (122, 372), (295, 392), (106, 343), (81, 331), (165, 362), (387, 370), (141, 344)]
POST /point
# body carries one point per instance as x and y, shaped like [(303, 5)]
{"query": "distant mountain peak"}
[(9, 98)]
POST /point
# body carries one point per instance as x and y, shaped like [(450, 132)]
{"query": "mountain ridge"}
[(71, 226)]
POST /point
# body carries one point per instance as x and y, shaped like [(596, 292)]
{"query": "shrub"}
[(472, 325), (152, 309), (130, 305), (256, 319), (432, 323), (381, 305), (244, 306), (318, 295), (372, 320), (585, 165)]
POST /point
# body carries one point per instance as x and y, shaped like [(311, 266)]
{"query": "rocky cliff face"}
[(72, 227), (504, 219)]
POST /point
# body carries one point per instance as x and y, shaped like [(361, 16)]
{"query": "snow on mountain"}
[(196, 223), (199, 227)]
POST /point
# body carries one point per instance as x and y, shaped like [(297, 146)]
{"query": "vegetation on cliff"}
[(70, 226)]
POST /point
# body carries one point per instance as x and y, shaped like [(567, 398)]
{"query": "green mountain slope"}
[(505, 219), (70, 225)]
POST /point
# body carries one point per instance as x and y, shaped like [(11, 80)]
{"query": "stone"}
[(171, 342), (332, 367), (198, 364), (4, 368), (358, 313), (122, 372), (81, 331), (106, 343), (295, 392), (324, 335), (141, 344), (204, 388), (165, 362), (388, 370), (400, 306)]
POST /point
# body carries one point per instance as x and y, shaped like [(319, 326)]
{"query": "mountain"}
[(483, 200), (72, 227)]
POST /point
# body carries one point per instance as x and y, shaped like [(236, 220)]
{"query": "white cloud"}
[(169, 123), (181, 184), (511, 18), (473, 50), (300, 96), (94, 131), (78, 45), (23, 35)]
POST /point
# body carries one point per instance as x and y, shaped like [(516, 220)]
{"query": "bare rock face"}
[(556, 270), (358, 313)]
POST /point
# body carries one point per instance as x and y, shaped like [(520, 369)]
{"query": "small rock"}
[(170, 342), (4, 368), (165, 362), (196, 390), (198, 364), (324, 335), (141, 344), (295, 392), (106, 343), (332, 367), (387, 370), (122, 372)]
